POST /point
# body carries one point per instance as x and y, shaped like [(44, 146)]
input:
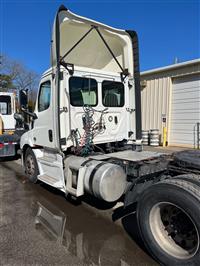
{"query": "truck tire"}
[(31, 167), (188, 159), (193, 178), (168, 216)]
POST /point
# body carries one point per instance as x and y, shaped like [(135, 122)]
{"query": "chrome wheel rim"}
[(174, 230)]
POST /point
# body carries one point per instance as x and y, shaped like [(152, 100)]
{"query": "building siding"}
[(156, 96), (155, 102)]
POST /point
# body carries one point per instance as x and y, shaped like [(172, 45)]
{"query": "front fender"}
[(26, 139)]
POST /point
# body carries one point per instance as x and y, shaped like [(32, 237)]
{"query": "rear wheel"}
[(192, 178), (168, 216), (31, 167)]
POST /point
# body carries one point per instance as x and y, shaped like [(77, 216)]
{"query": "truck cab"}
[(95, 66), (12, 123), (88, 102), (7, 110), (8, 141), (111, 102)]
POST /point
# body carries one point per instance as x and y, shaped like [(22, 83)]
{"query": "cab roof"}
[(87, 43)]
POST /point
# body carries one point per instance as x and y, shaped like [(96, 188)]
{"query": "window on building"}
[(83, 91), (112, 93), (5, 105), (44, 96)]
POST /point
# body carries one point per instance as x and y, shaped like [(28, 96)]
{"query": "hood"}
[(86, 43)]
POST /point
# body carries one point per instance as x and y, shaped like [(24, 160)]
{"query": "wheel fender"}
[(134, 191), (26, 140)]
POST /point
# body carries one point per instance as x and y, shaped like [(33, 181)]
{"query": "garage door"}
[(185, 112)]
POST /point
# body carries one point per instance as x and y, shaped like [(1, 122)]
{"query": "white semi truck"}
[(85, 138)]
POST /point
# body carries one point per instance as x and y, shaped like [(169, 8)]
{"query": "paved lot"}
[(38, 226)]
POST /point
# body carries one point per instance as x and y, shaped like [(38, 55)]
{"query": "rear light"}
[(1, 145)]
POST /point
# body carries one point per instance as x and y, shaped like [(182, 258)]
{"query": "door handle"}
[(50, 133)]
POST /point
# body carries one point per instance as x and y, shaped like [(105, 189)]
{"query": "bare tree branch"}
[(21, 77)]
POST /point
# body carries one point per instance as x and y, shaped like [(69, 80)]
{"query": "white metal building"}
[(173, 92)]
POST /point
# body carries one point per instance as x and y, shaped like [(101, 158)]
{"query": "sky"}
[(166, 29)]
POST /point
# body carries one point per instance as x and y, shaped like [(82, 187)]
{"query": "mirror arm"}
[(33, 115)]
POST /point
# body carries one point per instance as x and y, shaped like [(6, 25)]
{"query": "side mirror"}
[(19, 118), (23, 99)]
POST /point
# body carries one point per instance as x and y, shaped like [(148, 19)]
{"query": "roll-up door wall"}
[(185, 111)]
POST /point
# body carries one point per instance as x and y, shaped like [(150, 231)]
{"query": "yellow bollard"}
[(1, 125), (164, 136)]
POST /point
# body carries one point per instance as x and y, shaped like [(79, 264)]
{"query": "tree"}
[(5, 82), (18, 74), (14, 75)]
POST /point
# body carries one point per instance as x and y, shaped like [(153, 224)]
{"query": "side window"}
[(112, 93), (44, 96), (83, 91), (5, 105)]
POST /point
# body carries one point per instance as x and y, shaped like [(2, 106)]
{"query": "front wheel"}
[(31, 167), (168, 216)]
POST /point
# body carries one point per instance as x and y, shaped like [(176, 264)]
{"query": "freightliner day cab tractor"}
[(85, 138)]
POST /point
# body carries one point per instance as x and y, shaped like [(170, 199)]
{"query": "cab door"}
[(43, 126)]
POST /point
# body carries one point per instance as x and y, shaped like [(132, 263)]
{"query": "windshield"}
[(5, 105)]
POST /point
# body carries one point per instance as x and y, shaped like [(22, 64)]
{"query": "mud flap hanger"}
[(70, 67)]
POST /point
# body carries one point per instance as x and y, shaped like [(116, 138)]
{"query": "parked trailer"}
[(86, 138)]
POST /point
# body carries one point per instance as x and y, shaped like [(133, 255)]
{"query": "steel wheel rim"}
[(30, 166), (170, 233)]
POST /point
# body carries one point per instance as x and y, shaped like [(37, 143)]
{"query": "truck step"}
[(47, 160), (52, 181), (79, 190)]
